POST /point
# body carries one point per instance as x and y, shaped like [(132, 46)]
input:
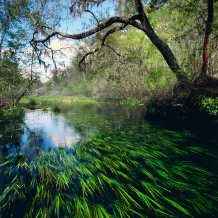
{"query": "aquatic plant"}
[(124, 171), (114, 174), (56, 108), (31, 104)]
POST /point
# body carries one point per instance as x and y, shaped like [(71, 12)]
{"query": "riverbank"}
[(43, 102), (10, 114), (197, 104), (63, 99), (53, 103)]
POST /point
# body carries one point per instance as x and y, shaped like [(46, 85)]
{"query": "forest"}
[(108, 108), (161, 52)]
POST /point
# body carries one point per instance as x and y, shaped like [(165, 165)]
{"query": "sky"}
[(64, 52), (81, 24), (69, 47)]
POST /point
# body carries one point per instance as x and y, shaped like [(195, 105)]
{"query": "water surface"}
[(102, 160)]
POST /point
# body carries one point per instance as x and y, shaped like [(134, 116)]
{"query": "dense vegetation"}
[(117, 61), (158, 53), (122, 166)]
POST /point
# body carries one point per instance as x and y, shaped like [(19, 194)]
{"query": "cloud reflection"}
[(48, 130)]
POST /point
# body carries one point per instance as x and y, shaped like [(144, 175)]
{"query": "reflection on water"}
[(115, 163), (42, 130), (48, 130)]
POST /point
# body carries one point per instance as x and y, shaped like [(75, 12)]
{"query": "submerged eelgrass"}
[(120, 174)]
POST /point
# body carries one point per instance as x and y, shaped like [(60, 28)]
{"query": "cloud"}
[(54, 129), (63, 53)]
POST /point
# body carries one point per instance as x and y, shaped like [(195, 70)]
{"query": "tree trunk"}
[(168, 56), (143, 25), (208, 31), (2, 39), (160, 45), (24, 92)]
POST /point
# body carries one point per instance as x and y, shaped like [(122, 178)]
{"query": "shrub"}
[(205, 104), (32, 104), (56, 108), (210, 106)]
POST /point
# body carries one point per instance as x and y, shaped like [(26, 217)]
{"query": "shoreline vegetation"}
[(205, 105), (34, 102), (134, 93), (196, 105), (61, 99)]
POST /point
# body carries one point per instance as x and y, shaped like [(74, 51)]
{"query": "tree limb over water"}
[(139, 21)]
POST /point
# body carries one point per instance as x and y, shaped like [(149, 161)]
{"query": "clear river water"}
[(107, 160)]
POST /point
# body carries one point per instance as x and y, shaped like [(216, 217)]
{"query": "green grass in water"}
[(118, 174)]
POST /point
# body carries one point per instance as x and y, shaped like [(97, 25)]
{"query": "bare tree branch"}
[(118, 54), (92, 15), (139, 21), (113, 30), (52, 55), (131, 21), (126, 21)]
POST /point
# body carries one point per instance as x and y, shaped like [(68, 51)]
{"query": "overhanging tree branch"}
[(92, 15), (139, 21), (113, 30), (131, 21)]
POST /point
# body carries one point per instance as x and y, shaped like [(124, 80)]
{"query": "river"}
[(107, 160)]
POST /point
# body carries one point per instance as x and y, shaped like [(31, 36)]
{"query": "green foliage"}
[(205, 104), (32, 104), (10, 82), (14, 113), (210, 106), (131, 102), (197, 98), (46, 101), (56, 108)]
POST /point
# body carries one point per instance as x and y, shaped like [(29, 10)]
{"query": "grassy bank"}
[(44, 102), (53, 103), (59, 99), (196, 103)]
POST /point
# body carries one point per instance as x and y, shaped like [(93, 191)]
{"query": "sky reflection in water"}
[(48, 131)]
